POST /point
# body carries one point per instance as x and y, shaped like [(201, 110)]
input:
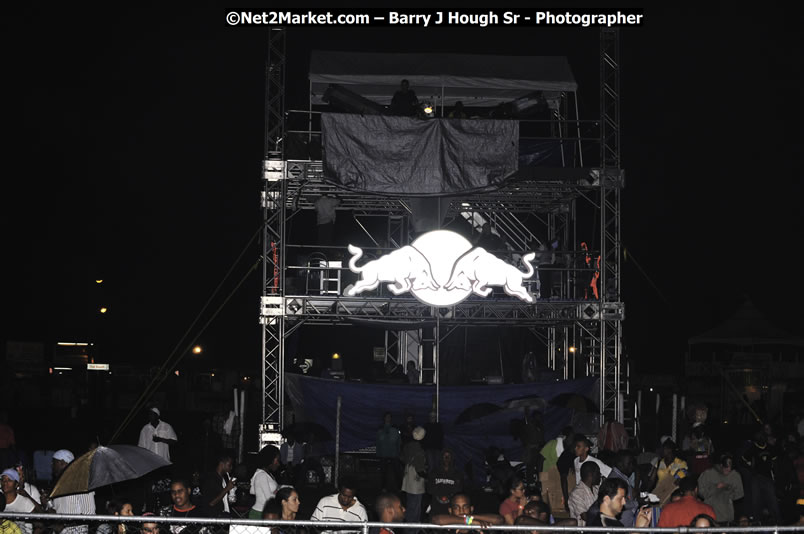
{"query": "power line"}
[(176, 355), (628, 255)]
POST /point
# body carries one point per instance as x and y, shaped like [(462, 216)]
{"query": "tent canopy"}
[(476, 80), (745, 328)]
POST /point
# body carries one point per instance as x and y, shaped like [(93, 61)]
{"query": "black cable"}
[(149, 390), (627, 254)]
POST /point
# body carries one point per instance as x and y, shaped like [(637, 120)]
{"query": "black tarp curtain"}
[(417, 157)]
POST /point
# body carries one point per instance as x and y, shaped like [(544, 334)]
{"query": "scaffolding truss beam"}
[(582, 334)]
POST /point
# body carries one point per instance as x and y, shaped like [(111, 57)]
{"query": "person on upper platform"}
[(404, 101)]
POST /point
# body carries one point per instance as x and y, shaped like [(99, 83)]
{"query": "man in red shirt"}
[(681, 512)]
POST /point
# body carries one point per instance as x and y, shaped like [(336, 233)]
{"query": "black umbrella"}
[(530, 401), (106, 465), (477, 411)]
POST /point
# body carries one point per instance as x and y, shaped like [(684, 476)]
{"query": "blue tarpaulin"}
[(363, 406)]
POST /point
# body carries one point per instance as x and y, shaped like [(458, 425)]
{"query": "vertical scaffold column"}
[(611, 183), (272, 307)]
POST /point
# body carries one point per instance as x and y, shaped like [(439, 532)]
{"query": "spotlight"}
[(428, 110), (336, 366), (294, 306)]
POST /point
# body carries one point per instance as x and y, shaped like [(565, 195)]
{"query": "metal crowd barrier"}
[(258, 526)]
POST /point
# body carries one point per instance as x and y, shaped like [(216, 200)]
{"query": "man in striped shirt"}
[(585, 494), (342, 507), (77, 504)]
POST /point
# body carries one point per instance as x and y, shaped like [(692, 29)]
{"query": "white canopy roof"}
[(476, 80)]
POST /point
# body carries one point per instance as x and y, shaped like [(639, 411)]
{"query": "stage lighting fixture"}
[(336, 366), (349, 101), (293, 306), (428, 110)]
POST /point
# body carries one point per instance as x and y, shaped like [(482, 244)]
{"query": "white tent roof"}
[(477, 80)]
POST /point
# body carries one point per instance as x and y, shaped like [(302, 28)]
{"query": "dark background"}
[(134, 143)]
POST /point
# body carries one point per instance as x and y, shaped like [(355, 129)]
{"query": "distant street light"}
[(197, 349), (98, 281), (103, 309)]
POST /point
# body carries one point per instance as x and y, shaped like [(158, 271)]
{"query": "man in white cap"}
[(415, 478), (9, 481), (157, 435), (77, 504)]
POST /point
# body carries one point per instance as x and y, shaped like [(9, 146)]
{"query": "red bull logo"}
[(441, 268)]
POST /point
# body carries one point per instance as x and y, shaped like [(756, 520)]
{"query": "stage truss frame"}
[(582, 334)]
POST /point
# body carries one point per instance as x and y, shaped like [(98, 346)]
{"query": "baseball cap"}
[(64, 455), (156, 411), (12, 474)]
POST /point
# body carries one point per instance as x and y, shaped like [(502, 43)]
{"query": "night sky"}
[(135, 145)]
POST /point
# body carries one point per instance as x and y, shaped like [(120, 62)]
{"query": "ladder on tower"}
[(427, 355)]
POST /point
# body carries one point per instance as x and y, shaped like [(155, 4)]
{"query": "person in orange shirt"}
[(681, 512)]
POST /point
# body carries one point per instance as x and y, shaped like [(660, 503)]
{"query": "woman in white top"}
[(263, 483)]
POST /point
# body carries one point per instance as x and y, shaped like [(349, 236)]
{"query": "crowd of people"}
[(570, 481)]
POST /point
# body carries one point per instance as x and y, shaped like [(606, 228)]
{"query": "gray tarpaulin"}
[(404, 155), (474, 79)]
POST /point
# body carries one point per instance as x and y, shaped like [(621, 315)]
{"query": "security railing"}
[(175, 525)]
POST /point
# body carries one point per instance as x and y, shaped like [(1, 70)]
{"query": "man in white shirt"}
[(26, 489), (582, 447), (157, 435), (78, 503), (16, 503), (585, 494), (342, 506)]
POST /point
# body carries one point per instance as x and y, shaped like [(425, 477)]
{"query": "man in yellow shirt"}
[(670, 464)]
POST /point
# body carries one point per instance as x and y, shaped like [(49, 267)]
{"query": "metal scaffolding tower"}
[(580, 328)]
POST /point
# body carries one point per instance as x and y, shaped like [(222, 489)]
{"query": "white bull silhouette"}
[(405, 268), (477, 269)]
